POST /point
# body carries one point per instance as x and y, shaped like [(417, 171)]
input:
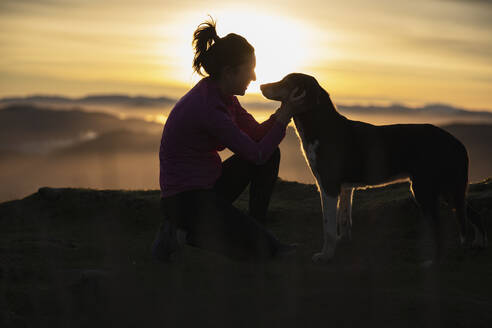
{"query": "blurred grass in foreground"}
[(80, 258)]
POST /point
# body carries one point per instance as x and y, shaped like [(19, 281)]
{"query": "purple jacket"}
[(202, 123)]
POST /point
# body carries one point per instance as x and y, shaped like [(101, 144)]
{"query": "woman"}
[(197, 189)]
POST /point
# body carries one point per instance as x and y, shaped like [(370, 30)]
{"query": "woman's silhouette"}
[(197, 189)]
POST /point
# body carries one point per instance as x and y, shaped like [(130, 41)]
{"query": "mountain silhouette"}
[(31, 124), (102, 99), (126, 101)]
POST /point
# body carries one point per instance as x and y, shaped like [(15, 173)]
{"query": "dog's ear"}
[(298, 92), (314, 92)]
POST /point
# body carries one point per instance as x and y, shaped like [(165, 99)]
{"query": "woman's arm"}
[(220, 125), (266, 136), (284, 113), (247, 123)]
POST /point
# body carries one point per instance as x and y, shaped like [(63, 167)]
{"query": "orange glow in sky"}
[(410, 52), (282, 44)]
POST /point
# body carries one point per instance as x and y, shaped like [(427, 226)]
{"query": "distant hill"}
[(477, 139), (118, 141), (102, 99), (429, 113), (81, 258), (478, 134), (438, 114), (31, 128), (401, 109)]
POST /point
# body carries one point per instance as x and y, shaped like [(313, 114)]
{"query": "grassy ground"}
[(80, 258)]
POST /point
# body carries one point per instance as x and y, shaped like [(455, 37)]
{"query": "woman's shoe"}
[(166, 244)]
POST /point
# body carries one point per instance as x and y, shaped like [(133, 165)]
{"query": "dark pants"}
[(213, 223)]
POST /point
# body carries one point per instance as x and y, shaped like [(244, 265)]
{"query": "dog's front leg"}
[(329, 208), (344, 214)]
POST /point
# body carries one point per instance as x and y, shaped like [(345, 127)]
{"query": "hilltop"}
[(80, 258)]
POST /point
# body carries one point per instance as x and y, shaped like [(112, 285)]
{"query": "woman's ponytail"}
[(203, 38)]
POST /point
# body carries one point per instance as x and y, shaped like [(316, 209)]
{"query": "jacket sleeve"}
[(220, 125), (247, 123)]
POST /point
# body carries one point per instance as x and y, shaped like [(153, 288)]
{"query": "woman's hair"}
[(213, 53)]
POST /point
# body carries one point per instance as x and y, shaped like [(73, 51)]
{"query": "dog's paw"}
[(462, 240), (480, 241), (341, 239), (321, 257)]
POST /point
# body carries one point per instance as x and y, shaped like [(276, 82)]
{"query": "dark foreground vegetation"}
[(80, 258)]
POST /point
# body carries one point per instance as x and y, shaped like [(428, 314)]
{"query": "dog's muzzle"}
[(268, 90)]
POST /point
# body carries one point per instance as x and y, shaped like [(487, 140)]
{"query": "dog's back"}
[(421, 151), (353, 152)]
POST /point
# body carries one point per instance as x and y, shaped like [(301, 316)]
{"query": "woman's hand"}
[(291, 106)]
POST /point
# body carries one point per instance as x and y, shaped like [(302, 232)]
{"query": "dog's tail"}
[(480, 239)]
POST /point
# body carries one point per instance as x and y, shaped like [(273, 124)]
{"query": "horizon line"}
[(389, 103)]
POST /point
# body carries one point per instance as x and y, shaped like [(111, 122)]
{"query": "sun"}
[(282, 45)]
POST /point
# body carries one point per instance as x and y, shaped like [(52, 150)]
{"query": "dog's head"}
[(282, 89)]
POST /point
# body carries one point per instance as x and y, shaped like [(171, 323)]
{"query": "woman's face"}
[(240, 76)]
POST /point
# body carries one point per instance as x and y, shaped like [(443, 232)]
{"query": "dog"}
[(345, 154)]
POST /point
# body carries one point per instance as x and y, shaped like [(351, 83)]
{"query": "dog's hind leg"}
[(466, 214), (480, 235), (344, 214), (329, 208), (460, 208), (428, 199)]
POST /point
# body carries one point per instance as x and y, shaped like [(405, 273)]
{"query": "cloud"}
[(475, 2), (450, 46), (8, 7), (12, 3)]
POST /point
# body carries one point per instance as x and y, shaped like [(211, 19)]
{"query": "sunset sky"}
[(365, 52)]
